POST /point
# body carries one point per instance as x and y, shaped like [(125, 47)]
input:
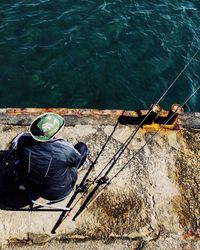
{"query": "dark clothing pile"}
[(49, 169)]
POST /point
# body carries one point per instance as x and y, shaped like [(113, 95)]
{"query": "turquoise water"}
[(98, 53)]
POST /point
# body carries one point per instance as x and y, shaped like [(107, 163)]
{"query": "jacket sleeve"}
[(23, 140), (74, 159), (15, 141)]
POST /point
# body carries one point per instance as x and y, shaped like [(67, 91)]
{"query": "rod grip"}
[(88, 198)]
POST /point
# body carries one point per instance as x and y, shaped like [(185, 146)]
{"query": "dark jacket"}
[(48, 169)]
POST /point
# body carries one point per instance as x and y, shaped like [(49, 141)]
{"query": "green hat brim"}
[(43, 138)]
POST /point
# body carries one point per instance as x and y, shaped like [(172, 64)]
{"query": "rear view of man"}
[(48, 165)]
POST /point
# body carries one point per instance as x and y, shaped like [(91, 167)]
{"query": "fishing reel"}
[(84, 187), (103, 180), (81, 189)]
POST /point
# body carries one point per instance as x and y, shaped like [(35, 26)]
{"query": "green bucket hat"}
[(45, 126)]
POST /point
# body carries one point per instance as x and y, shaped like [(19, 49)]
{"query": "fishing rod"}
[(83, 187), (117, 155), (104, 180), (130, 138)]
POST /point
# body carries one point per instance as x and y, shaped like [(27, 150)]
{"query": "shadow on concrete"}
[(10, 195), (124, 119), (152, 117)]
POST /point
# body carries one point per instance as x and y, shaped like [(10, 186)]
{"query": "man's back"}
[(48, 168)]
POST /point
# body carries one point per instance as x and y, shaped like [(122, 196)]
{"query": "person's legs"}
[(83, 150)]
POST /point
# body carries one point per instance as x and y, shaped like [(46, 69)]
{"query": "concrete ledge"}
[(23, 117), (153, 204), (169, 243)]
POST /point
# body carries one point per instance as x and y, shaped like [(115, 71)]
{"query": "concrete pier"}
[(153, 204)]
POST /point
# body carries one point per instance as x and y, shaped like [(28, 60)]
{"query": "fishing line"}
[(178, 76), (152, 137), (120, 151), (99, 154), (82, 186), (123, 147), (129, 139), (105, 180)]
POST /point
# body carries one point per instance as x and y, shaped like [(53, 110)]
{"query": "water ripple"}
[(98, 54)]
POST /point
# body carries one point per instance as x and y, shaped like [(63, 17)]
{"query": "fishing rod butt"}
[(59, 222), (78, 213)]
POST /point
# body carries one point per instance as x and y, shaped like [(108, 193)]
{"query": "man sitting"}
[(48, 165)]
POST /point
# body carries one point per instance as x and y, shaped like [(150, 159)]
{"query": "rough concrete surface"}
[(153, 204)]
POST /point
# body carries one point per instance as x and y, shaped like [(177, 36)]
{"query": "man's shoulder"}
[(67, 145), (24, 139)]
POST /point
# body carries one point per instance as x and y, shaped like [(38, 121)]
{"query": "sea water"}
[(106, 54)]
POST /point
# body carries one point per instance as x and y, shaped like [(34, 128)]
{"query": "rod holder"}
[(155, 110), (174, 112)]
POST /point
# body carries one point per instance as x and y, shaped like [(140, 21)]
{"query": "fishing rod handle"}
[(103, 180), (82, 196), (84, 205), (64, 214), (59, 222), (62, 217), (96, 197)]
